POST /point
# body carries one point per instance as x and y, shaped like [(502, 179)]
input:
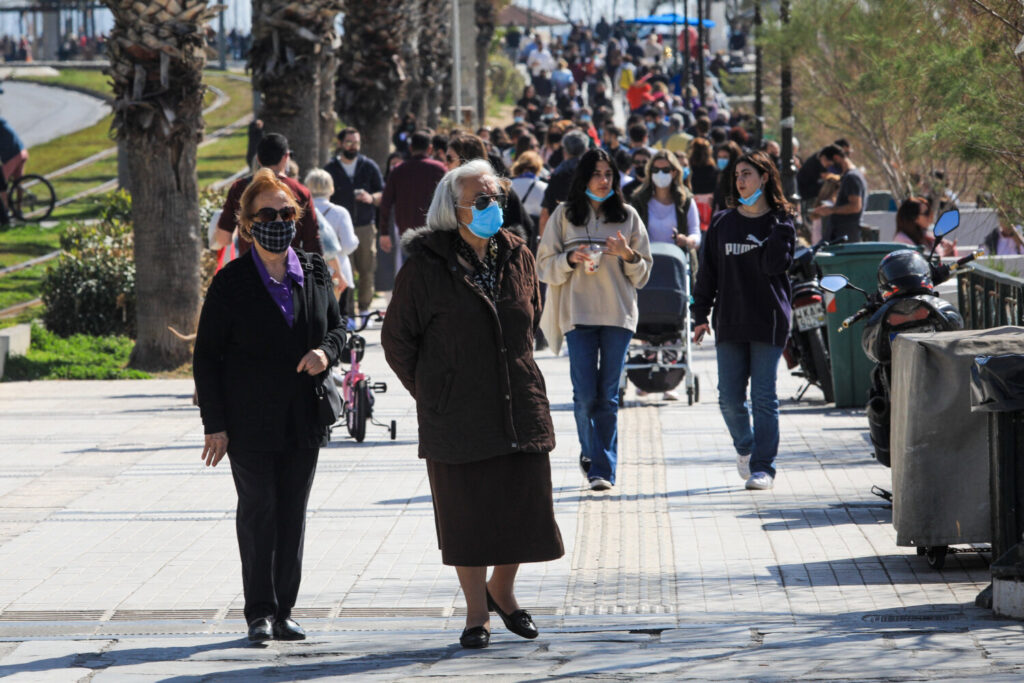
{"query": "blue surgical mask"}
[(650, 125), (686, 172), (722, 164), (597, 198), (517, 119), (752, 199), (486, 223), (584, 119)]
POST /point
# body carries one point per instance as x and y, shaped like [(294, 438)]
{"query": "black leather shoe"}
[(287, 629), (475, 638), (519, 622), (259, 630)]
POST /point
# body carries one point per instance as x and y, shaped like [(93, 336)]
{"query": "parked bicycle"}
[(357, 391)]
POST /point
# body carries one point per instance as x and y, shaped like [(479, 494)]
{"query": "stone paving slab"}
[(118, 559)]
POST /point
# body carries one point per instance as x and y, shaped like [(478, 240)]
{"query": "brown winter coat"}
[(468, 363)]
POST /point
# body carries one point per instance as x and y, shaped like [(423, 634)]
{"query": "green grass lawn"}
[(24, 242), (21, 286), (77, 357)]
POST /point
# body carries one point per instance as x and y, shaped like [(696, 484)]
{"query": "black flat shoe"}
[(287, 629), (475, 638), (519, 622), (259, 630)]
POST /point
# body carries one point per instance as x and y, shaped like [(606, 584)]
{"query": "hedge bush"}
[(91, 290)]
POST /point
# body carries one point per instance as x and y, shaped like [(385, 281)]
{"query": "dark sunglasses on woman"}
[(484, 200), (268, 215)]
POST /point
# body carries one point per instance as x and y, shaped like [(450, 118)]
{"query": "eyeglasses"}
[(268, 215), (484, 200), (662, 169)]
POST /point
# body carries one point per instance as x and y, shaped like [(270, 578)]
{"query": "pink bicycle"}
[(357, 391)]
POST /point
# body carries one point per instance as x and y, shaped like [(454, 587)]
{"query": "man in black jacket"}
[(358, 185)]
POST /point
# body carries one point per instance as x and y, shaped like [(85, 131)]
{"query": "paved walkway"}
[(40, 113), (118, 558)]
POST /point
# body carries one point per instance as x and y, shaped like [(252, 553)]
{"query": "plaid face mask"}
[(274, 236)]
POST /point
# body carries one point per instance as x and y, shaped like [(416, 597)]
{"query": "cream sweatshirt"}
[(605, 297)]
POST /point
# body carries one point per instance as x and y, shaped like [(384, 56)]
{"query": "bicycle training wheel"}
[(32, 198)]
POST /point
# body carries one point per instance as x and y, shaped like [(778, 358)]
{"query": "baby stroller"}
[(659, 357)]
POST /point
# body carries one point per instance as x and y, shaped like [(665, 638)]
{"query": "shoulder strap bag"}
[(327, 397)]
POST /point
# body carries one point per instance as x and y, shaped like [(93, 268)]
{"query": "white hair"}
[(442, 214), (320, 183)]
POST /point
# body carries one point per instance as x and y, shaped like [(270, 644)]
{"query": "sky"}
[(238, 13)]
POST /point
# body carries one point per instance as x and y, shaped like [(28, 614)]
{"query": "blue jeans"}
[(596, 356), (758, 362)]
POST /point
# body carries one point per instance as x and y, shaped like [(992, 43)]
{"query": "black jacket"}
[(367, 177), (743, 276), (467, 361), (245, 357)]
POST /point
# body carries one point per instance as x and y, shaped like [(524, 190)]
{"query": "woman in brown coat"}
[(459, 335)]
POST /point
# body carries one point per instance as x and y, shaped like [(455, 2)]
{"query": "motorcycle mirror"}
[(947, 223), (833, 283)]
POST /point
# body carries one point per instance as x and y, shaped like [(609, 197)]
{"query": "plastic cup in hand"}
[(594, 251)]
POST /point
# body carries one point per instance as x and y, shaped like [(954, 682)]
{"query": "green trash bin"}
[(851, 369)]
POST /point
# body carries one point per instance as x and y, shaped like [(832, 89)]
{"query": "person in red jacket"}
[(272, 153)]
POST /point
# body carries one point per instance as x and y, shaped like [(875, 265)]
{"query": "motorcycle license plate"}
[(810, 317)]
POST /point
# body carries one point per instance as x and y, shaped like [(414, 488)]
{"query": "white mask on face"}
[(662, 178)]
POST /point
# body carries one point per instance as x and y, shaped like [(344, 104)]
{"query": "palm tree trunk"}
[(485, 18), (288, 39), (157, 54), (371, 70), (328, 119)]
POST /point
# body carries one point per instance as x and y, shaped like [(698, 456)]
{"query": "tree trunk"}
[(157, 54), (484, 31), (165, 213), (291, 107), (371, 70), (328, 119), (288, 39)]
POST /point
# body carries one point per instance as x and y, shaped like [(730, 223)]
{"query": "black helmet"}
[(904, 272)]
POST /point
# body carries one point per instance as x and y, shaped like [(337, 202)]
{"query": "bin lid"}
[(997, 383), (862, 248)]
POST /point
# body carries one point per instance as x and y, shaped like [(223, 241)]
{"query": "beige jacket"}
[(605, 297)]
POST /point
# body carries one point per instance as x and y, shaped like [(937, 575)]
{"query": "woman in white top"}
[(668, 209), (594, 255), (527, 183), (321, 186)]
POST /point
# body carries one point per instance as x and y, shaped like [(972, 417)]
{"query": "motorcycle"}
[(905, 302), (808, 341)]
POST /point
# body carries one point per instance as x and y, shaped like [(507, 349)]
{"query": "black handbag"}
[(328, 399)]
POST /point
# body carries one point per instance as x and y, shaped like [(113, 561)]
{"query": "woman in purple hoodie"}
[(747, 251)]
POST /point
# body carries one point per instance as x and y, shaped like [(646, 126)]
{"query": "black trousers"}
[(273, 490)]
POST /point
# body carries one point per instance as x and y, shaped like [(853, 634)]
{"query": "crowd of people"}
[(505, 240)]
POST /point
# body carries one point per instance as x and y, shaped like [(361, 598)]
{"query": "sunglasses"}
[(268, 215), (484, 200)]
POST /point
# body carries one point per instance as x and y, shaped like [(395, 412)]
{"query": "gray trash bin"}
[(940, 455), (997, 390)]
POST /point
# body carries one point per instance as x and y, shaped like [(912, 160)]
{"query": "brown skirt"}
[(495, 511)]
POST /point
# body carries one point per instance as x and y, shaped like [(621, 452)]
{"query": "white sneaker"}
[(760, 481), (670, 396), (599, 484), (743, 466)]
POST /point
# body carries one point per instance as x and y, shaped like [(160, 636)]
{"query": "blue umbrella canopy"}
[(669, 19)]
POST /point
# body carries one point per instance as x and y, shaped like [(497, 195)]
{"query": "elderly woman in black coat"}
[(269, 327), (459, 335)]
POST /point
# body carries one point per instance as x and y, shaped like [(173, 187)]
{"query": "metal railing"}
[(989, 298)]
